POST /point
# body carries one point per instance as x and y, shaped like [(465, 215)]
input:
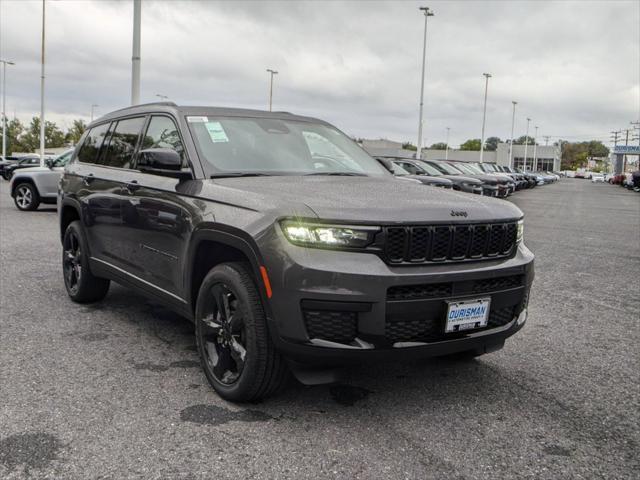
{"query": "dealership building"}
[(546, 158)]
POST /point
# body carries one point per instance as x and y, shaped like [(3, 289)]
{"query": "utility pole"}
[(135, 56), (92, 108), (446, 151), (427, 13), (42, 130), (513, 123), (535, 148), (546, 140), (4, 104), (272, 72), (526, 144), (487, 76)]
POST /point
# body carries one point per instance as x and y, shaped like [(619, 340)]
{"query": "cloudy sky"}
[(573, 66)]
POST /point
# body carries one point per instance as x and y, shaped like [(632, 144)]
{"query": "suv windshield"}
[(267, 146), (446, 168), (466, 169)]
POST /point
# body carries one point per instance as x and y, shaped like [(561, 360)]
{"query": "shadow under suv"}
[(288, 246)]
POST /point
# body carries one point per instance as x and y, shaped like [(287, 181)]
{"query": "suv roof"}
[(179, 110)]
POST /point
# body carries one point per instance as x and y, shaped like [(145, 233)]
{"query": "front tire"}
[(236, 352), (82, 286), (26, 197)]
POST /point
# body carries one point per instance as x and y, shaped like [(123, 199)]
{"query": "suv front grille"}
[(432, 330), (423, 244), (331, 325)]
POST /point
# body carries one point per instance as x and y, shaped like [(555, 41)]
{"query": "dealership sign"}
[(628, 149)]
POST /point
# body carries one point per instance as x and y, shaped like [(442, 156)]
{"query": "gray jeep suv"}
[(288, 246)]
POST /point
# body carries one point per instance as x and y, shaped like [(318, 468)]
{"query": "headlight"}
[(519, 231), (328, 236)]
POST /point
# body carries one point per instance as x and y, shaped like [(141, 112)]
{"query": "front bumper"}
[(334, 307)]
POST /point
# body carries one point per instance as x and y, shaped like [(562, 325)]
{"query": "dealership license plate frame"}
[(474, 322)]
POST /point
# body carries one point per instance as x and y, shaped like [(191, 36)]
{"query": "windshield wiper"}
[(238, 174), (339, 174)]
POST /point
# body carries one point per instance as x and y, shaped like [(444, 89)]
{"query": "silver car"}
[(31, 186)]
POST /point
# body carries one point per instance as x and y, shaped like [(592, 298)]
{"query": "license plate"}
[(467, 314)]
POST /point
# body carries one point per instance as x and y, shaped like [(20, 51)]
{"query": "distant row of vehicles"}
[(472, 177)]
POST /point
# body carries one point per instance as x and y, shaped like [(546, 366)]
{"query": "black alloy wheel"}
[(223, 335), (72, 262)]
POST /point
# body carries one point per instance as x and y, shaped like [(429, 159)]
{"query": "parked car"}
[(461, 182), (403, 174), (31, 186), (597, 178), (519, 178), (492, 169), (23, 162), (492, 185), (421, 168), (6, 161), (282, 240)]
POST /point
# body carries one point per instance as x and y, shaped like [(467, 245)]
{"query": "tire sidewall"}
[(252, 313)]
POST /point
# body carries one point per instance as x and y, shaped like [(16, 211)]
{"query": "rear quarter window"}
[(90, 148)]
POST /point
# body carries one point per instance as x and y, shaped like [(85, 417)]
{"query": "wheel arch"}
[(213, 245), (16, 181), (69, 211)]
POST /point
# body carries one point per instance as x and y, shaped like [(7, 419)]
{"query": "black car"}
[(493, 185), (401, 173), (288, 246), (422, 168), (23, 162)]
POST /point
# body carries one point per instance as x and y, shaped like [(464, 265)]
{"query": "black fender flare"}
[(234, 238)]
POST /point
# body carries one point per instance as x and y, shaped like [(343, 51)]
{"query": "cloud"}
[(574, 67)]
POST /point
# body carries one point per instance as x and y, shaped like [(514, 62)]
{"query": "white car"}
[(31, 186), (597, 177)]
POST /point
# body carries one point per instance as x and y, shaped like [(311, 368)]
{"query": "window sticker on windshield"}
[(191, 119), (216, 132)]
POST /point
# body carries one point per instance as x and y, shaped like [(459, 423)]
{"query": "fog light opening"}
[(523, 316)]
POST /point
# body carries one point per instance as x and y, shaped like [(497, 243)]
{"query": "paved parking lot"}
[(114, 390)]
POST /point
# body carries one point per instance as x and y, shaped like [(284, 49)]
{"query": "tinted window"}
[(89, 151), (163, 133), (123, 143)]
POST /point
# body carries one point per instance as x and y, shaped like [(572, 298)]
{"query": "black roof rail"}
[(151, 104)]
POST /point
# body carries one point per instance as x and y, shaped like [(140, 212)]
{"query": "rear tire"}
[(82, 286), (236, 351), (26, 197)]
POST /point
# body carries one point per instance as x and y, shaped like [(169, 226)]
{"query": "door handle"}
[(132, 186), (88, 179)]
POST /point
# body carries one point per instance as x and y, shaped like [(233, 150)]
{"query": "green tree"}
[(491, 144), (14, 131), (471, 144), (53, 136), (522, 139), (409, 146), (75, 132), (438, 146), (576, 155)]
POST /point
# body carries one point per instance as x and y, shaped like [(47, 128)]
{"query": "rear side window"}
[(163, 133), (122, 143), (93, 141)]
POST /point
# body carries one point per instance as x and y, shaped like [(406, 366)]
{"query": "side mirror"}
[(159, 159), (48, 163)]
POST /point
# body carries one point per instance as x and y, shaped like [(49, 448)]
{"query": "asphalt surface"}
[(114, 390)]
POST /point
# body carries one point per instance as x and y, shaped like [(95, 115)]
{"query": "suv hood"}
[(368, 200)]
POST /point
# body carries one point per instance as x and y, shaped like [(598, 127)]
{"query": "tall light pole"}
[(446, 151), (526, 144), (4, 104), (42, 146), (92, 107), (513, 124), (272, 73), (487, 76), (427, 13), (535, 148), (135, 56)]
